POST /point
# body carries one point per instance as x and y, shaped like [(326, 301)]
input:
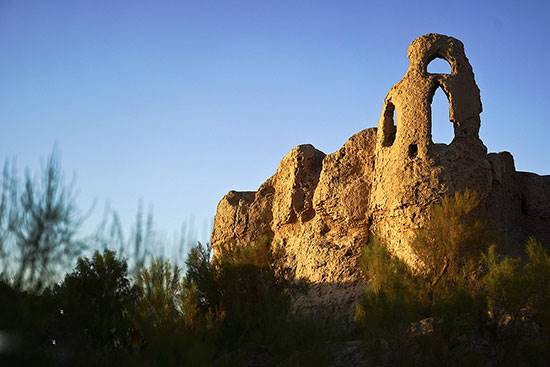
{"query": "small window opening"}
[(442, 127), (389, 127), (439, 66), (413, 150)]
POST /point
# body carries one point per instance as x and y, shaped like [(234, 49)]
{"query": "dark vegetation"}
[(131, 307), (468, 306)]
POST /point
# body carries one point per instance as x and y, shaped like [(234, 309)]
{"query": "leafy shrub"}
[(476, 306), (393, 297), (453, 240), (513, 285), (165, 319), (253, 299), (243, 300), (449, 247), (518, 296), (443, 291), (160, 288), (93, 310), (505, 283), (537, 272)]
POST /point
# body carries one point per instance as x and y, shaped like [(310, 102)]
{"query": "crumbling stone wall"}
[(411, 171), (321, 208)]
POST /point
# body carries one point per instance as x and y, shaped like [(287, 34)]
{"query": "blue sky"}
[(177, 102)]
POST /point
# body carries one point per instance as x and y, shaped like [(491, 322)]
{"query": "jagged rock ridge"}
[(321, 208)]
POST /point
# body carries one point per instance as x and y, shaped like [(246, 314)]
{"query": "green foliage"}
[(160, 288), (94, 308), (467, 294), (449, 248), (252, 297), (504, 283), (518, 295), (453, 240), (537, 271), (393, 296), (513, 285), (201, 276), (165, 318), (229, 310), (242, 299), (235, 308)]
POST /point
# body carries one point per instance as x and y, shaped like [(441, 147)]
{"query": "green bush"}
[(443, 291), (242, 299), (393, 297), (512, 284), (160, 287), (466, 293), (537, 271), (518, 296), (252, 297), (453, 239), (94, 305), (505, 284), (165, 319)]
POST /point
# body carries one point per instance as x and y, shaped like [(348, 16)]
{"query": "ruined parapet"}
[(321, 209), (410, 99)]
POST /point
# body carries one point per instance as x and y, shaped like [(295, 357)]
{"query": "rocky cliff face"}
[(321, 208)]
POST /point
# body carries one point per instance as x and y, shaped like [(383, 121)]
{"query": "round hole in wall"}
[(439, 66)]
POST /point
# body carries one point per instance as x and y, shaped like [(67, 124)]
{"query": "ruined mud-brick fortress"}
[(321, 208)]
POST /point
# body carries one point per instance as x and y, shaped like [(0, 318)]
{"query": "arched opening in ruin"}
[(439, 66), (442, 127), (389, 126)]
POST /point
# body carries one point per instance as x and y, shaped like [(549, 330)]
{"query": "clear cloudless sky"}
[(178, 102)]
